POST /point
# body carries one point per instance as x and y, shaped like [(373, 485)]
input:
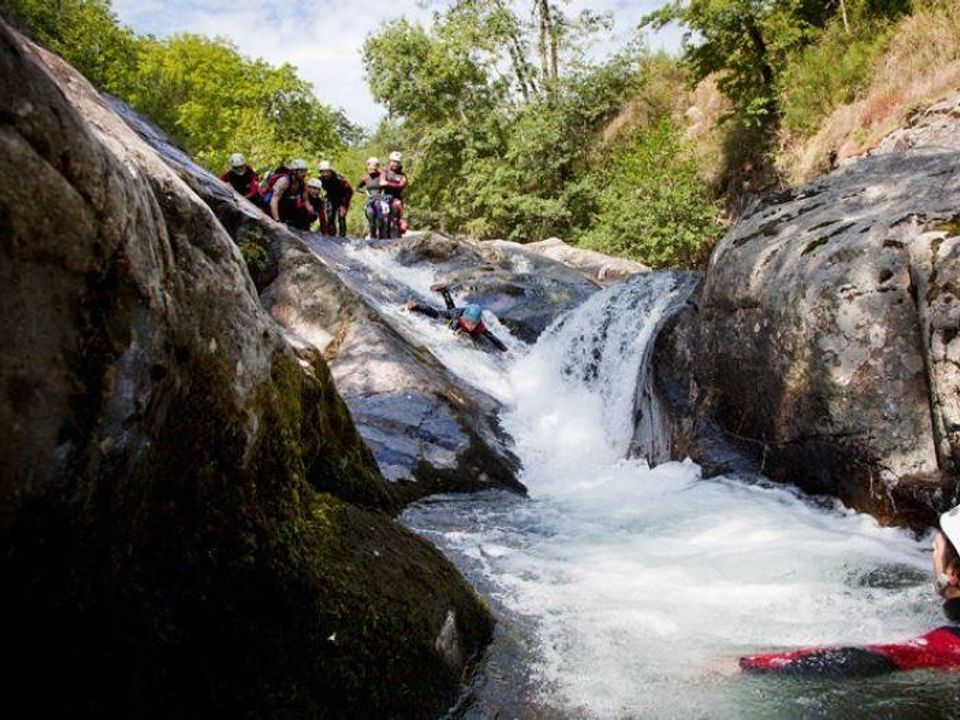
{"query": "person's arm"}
[(278, 189), (253, 189), (347, 194), (494, 340), (447, 299), (362, 185), (427, 310)]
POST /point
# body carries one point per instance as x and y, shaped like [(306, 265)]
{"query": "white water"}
[(635, 590)]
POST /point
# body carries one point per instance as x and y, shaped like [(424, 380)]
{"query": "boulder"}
[(429, 431), (824, 345), (601, 269), (190, 525)]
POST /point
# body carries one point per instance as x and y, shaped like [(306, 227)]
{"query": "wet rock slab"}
[(824, 343)]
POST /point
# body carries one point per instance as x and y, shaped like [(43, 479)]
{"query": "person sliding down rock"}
[(467, 320)]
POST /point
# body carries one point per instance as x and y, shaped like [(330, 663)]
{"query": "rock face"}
[(190, 525), (600, 268), (824, 344)]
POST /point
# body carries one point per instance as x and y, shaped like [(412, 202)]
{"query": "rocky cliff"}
[(823, 347), (190, 524)]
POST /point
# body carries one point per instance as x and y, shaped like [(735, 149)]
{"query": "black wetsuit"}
[(453, 314)]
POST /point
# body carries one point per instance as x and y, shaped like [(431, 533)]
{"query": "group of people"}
[(291, 198)]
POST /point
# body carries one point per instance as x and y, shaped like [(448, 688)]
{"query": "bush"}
[(829, 73), (652, 205)]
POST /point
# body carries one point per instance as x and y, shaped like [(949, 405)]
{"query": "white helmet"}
[(373, 161), (237, 160), (314, 183), (950, 524), (395, 156), (324, 165), (298, 164)]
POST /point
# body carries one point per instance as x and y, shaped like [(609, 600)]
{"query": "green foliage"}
[(829, 73), (493, 152), (747, 42), (217, 102), (203, 92), (87, 34), (651, 205)]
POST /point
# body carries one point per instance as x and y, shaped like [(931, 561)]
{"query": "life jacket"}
[(479, 329), (242, 182), (271, 179)]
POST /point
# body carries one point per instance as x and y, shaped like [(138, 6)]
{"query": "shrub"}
[(652, 205)]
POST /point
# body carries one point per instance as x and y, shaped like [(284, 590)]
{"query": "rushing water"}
[(629, 592)]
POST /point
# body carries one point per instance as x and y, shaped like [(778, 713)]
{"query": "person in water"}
[(946, 563), (467, 320)]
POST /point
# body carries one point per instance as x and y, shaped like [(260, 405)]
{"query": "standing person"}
[(396, 182), (315, 205), (374, 183), (242, 178), (946, 563), (467, 320), (339, 193), (288, 195)]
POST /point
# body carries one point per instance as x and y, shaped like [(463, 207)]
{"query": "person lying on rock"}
[(467, 320), (946, 563)]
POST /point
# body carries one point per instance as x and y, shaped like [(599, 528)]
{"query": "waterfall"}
[(625, 590)]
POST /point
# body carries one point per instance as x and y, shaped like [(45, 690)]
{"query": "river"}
[(625, 591)]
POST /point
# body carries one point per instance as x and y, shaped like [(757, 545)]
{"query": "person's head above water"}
[(472, 315)]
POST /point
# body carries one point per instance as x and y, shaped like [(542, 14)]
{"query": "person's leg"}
[(371, 213), (447, 298)]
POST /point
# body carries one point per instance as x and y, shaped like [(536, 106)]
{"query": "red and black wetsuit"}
[(245, 183), (339, 193), (396, 181), (455, 317)]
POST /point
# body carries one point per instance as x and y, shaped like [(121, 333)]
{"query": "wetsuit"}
[(375, 185), (339, 192), (316, 208), (291, 207), (245, 183), (396, 181), (455, 317)]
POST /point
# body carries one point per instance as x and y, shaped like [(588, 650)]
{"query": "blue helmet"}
[(473, 313)]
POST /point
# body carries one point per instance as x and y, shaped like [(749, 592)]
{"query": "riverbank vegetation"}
[(202, 91), (512, 127)]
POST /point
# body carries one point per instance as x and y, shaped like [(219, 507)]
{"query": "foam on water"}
[(637, 588)]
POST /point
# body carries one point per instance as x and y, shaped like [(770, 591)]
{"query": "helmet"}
[(298, 164), (314, 183), (950, 524), (396, 156), (373, 161), (237, 160), (473, 313), (324, 165)]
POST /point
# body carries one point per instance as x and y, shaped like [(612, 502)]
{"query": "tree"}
[(86, 34), (747, 42)]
